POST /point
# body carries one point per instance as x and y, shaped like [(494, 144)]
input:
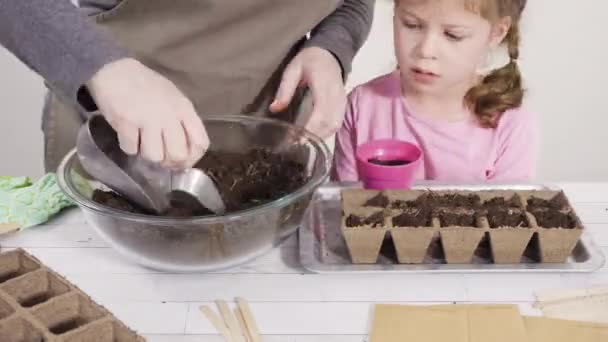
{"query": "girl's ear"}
[(499, 31)]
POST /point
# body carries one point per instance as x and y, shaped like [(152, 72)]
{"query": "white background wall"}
[(564, 58)]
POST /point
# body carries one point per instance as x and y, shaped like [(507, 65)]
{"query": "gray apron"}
[(227, 56)]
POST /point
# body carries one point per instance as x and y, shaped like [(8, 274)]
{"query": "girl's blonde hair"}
[(502, 89)]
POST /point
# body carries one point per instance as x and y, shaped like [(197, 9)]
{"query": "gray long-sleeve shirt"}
[(64, 46)]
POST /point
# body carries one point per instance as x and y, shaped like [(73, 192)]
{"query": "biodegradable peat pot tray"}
[(36, 305), (458, 224)]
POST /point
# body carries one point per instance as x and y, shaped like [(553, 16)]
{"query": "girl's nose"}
[(427, 47)]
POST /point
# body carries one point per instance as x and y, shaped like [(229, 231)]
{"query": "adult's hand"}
[(320, 71), (151, 115)]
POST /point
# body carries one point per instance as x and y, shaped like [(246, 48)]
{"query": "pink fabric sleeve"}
[(344, 163), (518, 150)]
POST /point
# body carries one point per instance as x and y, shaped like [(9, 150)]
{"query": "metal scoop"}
[(146, 184)]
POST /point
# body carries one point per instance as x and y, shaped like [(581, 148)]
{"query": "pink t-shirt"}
[(453, 151)]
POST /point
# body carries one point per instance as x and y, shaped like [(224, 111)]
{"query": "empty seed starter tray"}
[(521, 228), (38, 305)]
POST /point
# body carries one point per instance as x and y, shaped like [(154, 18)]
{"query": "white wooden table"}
[(288, 303)]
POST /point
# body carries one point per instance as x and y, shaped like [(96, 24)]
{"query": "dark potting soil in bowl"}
[(244, 180)]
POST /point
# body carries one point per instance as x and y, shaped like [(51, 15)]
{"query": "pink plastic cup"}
[(388, 164)]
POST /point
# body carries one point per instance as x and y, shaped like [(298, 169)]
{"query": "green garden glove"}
[(23, 204)]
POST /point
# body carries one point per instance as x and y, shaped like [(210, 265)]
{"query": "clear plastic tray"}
[(323, 250)]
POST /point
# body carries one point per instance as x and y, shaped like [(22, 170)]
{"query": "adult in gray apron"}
[(226, 56)]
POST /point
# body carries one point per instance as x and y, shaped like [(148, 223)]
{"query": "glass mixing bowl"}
[(200, 244)]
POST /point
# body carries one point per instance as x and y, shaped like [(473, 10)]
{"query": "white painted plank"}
[(70, 230), (329, 318), (71, 215), (513, 287), (287, 318), (595, 279), (54, 236), (596, 213), (586, 192), (579, 281), (106, 260), (272, 287), (72, 261), (605, 267), (151, 318), (296, 318), (66, 235), (599, 234), (266, 338)]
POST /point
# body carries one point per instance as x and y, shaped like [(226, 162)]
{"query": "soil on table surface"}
[(244, 180)]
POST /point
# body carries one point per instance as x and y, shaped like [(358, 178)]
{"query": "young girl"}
[(456, 93)]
